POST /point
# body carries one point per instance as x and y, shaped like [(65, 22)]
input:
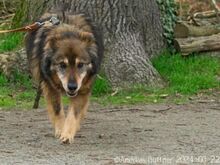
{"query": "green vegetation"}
[(16, 92), (168, 17), (101, 86), (188, 75), (10, 41), (184, 76), (20, 14)]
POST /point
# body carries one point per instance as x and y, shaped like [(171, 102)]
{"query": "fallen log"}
[(205, 21), (183, 30), (206, 14), (197, 44)]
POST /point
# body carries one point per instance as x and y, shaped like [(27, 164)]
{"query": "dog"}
[(64, 58)]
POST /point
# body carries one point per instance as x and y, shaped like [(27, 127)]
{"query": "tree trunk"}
[(132, 33), (197, 44)]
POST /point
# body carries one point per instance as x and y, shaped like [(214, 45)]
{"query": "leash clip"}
[(39, 23), (54, 20)]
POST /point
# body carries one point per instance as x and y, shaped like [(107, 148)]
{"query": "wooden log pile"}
[(193, 37)]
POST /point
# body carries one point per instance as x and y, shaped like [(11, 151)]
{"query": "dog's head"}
[(71, 58)]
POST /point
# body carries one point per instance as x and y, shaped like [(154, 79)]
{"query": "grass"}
[(16, 92), (9, 42), (188, 75), (101, 86)]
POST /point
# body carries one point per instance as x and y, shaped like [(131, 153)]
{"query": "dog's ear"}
[(45, 66), (52, 45), (87, 37)]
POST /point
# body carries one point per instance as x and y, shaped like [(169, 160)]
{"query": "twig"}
[(162, 110), (3, 1), (180, 9), (217, 9), (115, 92), (5, 22), (6, 151), (122, 110), (7, 16)]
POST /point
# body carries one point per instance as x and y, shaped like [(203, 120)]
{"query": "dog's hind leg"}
[(37, 97), (77, 110), (55, 109)]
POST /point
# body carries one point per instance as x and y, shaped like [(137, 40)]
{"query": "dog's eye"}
[(80, 65), (63, 65)]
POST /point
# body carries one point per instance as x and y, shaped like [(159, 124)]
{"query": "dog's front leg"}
[(78, 108), (55, 109)]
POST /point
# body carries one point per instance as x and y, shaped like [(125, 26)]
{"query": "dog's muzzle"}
[(72, 89)]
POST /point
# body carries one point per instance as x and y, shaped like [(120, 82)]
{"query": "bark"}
[(132, 32), (121, 64), (183, 30), (198, 44)]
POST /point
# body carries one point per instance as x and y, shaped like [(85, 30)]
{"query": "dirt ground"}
[(145, 134)]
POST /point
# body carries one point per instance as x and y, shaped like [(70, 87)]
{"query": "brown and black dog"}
[(64, 58)]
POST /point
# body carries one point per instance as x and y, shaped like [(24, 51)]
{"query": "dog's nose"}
[(72, 86)]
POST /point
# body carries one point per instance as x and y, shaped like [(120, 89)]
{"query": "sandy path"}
[(146, 134)]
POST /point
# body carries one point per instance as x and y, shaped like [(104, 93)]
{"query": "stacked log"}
[(197, 44), (190, 39), (184, 30)]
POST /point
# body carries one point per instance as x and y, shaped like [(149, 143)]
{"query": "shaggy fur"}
[(64, 59)]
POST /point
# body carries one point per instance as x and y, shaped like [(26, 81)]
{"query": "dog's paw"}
[(58, 133), (59, 127), (67, 138)]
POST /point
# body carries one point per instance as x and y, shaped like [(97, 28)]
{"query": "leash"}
[(27, 28), (33, 27)]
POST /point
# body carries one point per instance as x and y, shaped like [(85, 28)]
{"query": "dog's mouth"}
[(71, 94)]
